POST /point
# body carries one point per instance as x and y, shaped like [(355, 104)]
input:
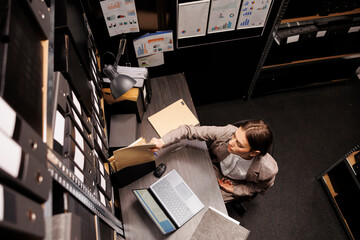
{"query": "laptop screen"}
[(154, 211)]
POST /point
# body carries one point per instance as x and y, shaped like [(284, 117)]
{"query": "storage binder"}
[(99, 146), (98, 111), (103, 181), (22, 171), (86, 174), (15, 127), (75, 106), (73, 150), (20, 217), (104, 200), (70, 129), (62, 92), (98, 128), (67, 62), (69, 19)]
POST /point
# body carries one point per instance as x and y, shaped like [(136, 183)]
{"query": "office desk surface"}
[(191, 162)]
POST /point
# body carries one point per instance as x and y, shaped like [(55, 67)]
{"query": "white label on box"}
[(7, 118), (79, 139), (79, 174), (102, 198), (59, 128), (321, 33), (10, 155), (76, 102), (103, 183), (293, 39), (79, 158), (2, 203), (101, 167)]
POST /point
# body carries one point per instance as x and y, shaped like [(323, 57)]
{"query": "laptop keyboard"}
[(173, 202)]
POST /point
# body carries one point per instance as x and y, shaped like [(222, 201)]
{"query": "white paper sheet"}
[(10, 155), (153, 43), (7, 118), (151, 60), (192, 19), (253, 13), (59, 128), (120, 16), (223, 15)]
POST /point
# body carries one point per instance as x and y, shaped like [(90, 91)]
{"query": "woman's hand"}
[(227, 185), (159, 143)]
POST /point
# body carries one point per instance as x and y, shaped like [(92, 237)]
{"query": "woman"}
[(241, 160)]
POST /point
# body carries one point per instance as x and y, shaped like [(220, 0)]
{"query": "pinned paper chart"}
[(120, 16), (253, 13), (223, 15), (192, 19)]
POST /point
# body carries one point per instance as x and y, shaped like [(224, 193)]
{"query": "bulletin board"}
[(204, 22)]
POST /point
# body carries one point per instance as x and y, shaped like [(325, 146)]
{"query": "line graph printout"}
[(192, 19), (253, 13), (223, 15)]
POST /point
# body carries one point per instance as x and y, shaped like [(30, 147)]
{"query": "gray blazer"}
[(261, 173)]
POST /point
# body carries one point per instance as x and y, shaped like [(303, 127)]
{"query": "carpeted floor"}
[(312, 128)]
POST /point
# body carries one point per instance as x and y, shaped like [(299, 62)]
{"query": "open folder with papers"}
[(135, 154), (132, 162), (172, 117)]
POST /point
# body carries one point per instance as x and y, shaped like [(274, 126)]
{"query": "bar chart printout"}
[(253, 13), (192, 19), (223, 15)]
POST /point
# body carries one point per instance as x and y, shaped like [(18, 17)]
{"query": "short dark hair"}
[(258, 134)]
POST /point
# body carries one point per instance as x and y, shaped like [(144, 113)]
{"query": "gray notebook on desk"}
[(169, 202), (216, 225)]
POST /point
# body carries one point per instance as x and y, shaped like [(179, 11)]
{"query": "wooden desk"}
[(191, 162)]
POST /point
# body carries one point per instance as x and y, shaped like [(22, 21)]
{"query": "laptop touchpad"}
[(184, 191)]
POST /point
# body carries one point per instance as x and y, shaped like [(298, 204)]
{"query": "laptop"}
[(169, 202)]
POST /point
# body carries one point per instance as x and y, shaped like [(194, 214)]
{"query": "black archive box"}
[(22, 217), (67, 62), (103, 181), (71, 148), (63, 90), (69, 20), (104, 201), (26, 173), (84, 176), (72, 127), (78, 112)]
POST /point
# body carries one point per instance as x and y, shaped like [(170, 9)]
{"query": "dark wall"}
[(215, 72)]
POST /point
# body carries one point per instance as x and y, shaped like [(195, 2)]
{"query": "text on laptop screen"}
[(154, 211)]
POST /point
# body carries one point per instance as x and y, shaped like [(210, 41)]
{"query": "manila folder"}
[(172, 117)]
